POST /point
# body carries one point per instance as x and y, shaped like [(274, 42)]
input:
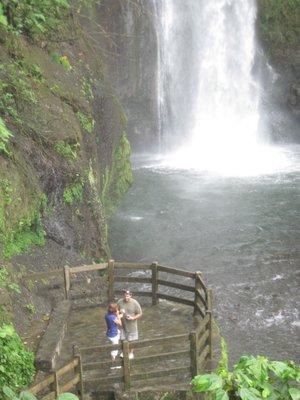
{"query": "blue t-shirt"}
[(112, 327)]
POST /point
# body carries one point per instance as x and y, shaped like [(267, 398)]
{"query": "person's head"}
[(112, 307), (127, 295)]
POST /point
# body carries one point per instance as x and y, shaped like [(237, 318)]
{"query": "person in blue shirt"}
[(113, 322)]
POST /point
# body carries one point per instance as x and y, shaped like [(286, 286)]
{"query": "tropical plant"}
[(35, 18), (252, 378), (16, 362), (86, 122), (5, 135), (9, 394)]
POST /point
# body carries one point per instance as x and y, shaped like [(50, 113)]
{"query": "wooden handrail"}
[(87, 268), (176, 271), (175, 299), (175, 285), (133, 279), (126, 265), (52, 382)]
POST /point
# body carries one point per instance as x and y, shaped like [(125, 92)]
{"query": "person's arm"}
[(118, 319), (138, 314)]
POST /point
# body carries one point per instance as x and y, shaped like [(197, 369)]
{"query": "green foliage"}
[(5, 135), (62, 60), (86, 122), (16, 362), (16, 80), (28, 231), (86, 89), (118, 178), (66, 150), (35, 18), (3, 19), (73, 193), (31, 71), (14, 287), (25, 395), (279, 21), (252, 378), (31, 308)]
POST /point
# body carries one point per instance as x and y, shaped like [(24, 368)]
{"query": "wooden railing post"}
[(209, 310), (154, 268), (193, 354), (111, 278), (78, 370), (54, 386), (67, 280), (197, 287), (126, 365)]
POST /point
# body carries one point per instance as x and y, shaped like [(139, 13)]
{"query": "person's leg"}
[(122, 337), (114, 340), (132, 337)]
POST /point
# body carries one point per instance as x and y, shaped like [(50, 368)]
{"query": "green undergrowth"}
[(27, 230), (35, 18), (66, 150), (73, 193), (16, 87), (279, 22), (62, 60), (16, 362), (86, 122), (5, 135), (252, 378), (118, 178)]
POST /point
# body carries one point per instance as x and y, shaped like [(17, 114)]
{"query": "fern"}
[(5, 135)]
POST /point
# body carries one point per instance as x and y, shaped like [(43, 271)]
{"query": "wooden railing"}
[(193, 348), (57, 382)]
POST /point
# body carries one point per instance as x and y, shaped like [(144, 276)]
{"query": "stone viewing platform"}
[(175, 332)]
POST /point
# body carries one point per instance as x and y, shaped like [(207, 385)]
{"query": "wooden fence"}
[(182, 356), (65, 379)]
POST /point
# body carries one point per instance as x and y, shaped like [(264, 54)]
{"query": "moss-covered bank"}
[(64, 156)]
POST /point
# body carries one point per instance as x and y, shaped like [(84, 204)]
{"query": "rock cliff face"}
[(132, 57), (278, 32), (64, 154)]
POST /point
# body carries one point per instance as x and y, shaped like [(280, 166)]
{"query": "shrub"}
[(5, 135), (86, 122), (66, 150), (24, 395), (252, 378), (34, 18), (16, 362), (279, 21), (62, 60), (73, 193)]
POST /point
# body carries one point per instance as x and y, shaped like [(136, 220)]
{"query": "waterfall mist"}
[(208, 98)]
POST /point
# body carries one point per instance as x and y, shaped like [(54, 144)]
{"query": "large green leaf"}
[(294, 393), (221, 395), (67, 396), (6, 330), (10, 394), (207, 382), (25, 395), (285, 370), (249, 394)]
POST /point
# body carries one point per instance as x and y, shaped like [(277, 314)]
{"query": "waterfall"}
[(208, 96)]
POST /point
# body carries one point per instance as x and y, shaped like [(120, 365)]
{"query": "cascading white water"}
[(208, 98)]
